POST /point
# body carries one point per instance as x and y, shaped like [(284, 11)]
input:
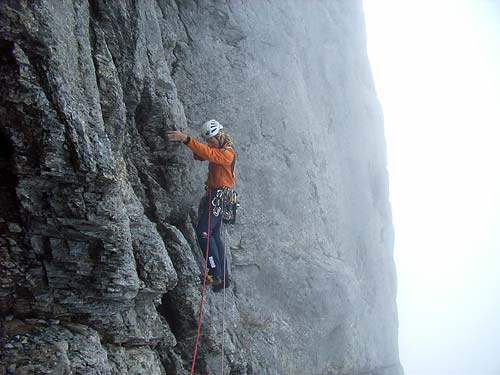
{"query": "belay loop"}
[(226, 202)]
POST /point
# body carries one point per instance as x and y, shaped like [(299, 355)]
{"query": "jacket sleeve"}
[(213, 155)]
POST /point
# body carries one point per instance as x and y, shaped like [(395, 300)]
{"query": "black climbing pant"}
[(216, 250)]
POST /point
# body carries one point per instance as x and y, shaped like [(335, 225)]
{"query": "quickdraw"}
[(217, 203), (226, 202)]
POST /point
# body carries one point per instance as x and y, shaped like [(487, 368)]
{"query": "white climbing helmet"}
[(210, 128)]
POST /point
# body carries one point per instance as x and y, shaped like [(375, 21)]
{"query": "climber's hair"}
[(224, 139)]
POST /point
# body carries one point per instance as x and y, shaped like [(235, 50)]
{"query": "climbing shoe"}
[(210, 279), (219, 285)]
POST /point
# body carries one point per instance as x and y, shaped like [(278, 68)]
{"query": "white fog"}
[(436, 71)]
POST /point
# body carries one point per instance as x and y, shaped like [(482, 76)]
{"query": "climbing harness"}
[(226, 201)]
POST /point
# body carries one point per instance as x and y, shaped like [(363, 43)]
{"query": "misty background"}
[(436, 70)]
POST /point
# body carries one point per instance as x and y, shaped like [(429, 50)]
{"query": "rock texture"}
[(100, 270)]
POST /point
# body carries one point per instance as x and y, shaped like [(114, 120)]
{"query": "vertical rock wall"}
[(99, 263)]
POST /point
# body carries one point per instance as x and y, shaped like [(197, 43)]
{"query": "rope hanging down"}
[(202, 289), (224, 304), (203, 293)]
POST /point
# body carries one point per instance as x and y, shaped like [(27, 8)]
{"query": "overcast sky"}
[(436, 66)]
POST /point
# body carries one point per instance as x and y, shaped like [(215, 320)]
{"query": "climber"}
[(221, 174)]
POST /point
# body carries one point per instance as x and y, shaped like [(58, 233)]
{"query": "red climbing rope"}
[(203, 288)]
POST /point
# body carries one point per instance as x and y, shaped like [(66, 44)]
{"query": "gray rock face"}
[(96, 208)]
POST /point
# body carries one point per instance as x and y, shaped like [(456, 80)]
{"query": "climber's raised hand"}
[(175, 136)]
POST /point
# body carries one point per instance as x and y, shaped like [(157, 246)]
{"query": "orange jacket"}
[(221, 169)]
